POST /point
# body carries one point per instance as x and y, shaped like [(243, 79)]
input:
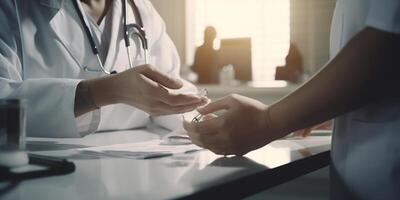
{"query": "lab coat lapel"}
[(115, 31), (56, 4), (68, 28)]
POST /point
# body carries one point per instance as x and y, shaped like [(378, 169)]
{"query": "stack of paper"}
[(141, 150)]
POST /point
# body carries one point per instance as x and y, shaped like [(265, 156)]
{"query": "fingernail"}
[(202, 92), (204, 99)]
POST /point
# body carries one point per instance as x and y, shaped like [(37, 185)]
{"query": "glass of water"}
[(12, 124)]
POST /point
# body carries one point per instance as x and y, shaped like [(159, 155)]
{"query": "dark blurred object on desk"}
[(237, 52), (12, 124)]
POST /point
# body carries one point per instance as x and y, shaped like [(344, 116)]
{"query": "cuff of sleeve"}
[(50, 114), (170, 122), (88, 123)]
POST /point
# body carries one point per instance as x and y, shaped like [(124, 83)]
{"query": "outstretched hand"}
[(243, 126), (146, 88)]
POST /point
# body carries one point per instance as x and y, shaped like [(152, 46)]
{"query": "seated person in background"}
[(206, 61), (45, 53), (359, 87)]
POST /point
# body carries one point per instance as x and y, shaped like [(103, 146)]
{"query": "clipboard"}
[(39, 166)]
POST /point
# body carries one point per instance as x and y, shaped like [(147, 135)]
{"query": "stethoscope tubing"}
[(129, 30)]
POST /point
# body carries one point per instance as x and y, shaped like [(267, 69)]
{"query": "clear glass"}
[(203, 93)]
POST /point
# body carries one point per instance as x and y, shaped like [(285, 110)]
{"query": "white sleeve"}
[(168, 58), (384, 15), (88, 123), (50, 101)]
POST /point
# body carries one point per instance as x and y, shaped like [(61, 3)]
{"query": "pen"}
[(50, 161), (179, 140), (157, 156), (137, 155)]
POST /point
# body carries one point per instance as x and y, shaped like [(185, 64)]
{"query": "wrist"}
[(101, 91), (83, 100), (271, 127)]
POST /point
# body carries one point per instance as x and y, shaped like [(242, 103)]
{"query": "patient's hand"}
[(241, 127)]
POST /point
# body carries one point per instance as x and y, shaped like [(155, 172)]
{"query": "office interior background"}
[(271, 24)]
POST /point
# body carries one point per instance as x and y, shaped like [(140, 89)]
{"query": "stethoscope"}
[(129, 31)]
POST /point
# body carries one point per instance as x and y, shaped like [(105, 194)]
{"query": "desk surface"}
[(196, 175)]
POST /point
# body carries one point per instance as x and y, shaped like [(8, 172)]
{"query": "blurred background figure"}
[(223, 65), (293, 70), (206, 62)]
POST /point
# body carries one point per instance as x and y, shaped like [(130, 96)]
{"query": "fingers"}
[(221, 104), (163, 81), (161, 108), (208, 140), (181, 99), (159, 77), (204, 127), (324, 126), (302, 133), (306, 132), (156, 91)]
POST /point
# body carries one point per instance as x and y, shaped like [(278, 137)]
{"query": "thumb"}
[(159, 77)]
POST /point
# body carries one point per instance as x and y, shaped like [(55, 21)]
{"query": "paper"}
[(141, 150)]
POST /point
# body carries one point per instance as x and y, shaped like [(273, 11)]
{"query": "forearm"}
[(363, 72)]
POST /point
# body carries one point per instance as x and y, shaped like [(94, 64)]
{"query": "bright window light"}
[(265, 21)]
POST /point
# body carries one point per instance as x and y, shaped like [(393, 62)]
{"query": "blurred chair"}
[(237, 52), (293, 70)]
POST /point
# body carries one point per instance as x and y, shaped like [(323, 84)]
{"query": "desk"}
[(199, 175)]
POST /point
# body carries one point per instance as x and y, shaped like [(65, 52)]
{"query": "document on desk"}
[(141, 150)]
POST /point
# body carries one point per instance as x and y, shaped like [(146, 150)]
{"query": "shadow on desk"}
[(241, 187), (211, 176), (237, 161)]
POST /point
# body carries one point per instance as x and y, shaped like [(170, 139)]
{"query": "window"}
[(265, 21)]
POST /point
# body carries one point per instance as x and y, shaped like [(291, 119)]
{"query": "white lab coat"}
[(43, 50), (366, 142)]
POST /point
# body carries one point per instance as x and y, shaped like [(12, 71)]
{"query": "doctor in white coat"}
[(359, 87), (44, 51)]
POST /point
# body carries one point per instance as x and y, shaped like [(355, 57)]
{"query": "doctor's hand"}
[(307, 131), (146, 88), (243, 126)]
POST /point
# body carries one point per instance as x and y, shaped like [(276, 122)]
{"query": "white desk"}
[(195, 175)]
